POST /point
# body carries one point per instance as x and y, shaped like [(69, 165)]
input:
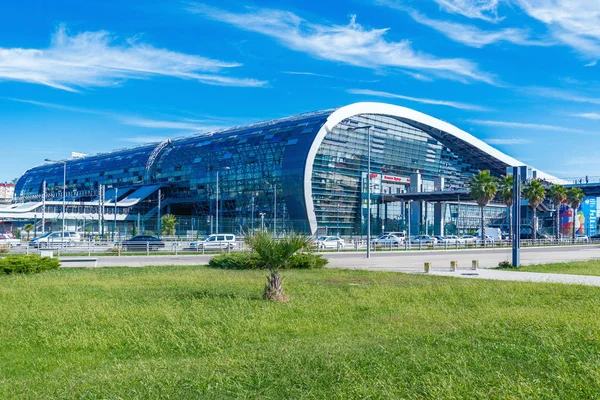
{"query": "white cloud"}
[(472, 36), (93, 59), (486, 10), (309, 74), (174, 124), (562, 95), (594, 116), (143, 139), (527, 125), (575, 23), (508, 141), (591, 64), (350, 44), (453, 104), (162, 124)]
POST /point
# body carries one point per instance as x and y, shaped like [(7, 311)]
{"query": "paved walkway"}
[(523, 276)]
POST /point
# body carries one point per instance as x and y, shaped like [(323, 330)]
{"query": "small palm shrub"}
[(247, 260), (275, 255), (27, 264)]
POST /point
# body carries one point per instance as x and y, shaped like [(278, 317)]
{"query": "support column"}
[(416, 186), (439, 209)]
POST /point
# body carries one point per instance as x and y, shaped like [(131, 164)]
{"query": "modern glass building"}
[(306, 173)]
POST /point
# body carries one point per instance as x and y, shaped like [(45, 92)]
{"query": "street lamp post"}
[(368, 128), (274, 186), (338, 219), (64, 190), (262, 222), (252, 217), (409, 212), (218, 208)]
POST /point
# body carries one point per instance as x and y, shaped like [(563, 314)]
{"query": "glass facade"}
[(262, 171)]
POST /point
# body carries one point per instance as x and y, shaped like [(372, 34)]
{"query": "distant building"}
[(6, 192)]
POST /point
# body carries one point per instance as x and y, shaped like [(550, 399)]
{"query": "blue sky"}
[(90, 76)]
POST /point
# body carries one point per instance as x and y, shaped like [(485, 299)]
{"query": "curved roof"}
[(436, 127)]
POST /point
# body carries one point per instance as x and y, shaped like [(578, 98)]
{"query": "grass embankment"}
[(194, 332), (574, 268)]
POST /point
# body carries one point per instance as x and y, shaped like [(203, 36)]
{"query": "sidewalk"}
[(503, 275)]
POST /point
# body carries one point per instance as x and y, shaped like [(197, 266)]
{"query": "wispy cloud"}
[(486, 10), (532, 126), (94, 59), (594, 116), (576, 23), (309, 74), (350, 44), (161, 124), (591, 64), (472, 36), (167, 124), (562, 95), (514, 141), (143, 139), (453, 104)]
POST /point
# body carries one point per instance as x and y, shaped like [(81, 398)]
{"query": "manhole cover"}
[(471, 274)]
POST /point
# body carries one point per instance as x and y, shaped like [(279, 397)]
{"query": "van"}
[(214, 242), (56, 239)]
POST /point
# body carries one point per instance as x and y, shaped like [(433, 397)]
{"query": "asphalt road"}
[(381, 260)]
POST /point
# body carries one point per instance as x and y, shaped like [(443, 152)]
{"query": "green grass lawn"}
[(574, 267), (194, 332)]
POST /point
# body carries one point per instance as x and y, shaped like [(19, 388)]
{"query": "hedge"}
[(249, 260), (27, 264)]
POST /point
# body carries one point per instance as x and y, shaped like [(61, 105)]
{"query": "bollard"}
[(453, 265), (427, 266), (475, 264)]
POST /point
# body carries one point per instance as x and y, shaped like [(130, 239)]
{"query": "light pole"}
[(252, 217), (262, 222), (64, 190), (338, 219), (368, 128), (274, 186), (218, 208), (409, 212), (115, 222)]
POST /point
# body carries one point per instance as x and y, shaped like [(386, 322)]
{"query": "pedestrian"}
[(587, 180)]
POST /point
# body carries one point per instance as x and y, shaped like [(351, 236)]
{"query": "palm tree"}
[(574, 198), (535, 193), (483, 188), (168, 224), (28, 228), (274, 254), (558, 194), (505, 187)]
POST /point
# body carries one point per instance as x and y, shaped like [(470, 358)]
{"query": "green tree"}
[(274, 254), (558, 194), (28, 228), (535, 193), (506, 190), (483, 188), (168, 223), (574, 198)]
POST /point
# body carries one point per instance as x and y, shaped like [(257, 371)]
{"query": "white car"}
[(6, 240), (452, 239), (387, 240), (330, 242), (56, 239), (425, 239), (215, 242)]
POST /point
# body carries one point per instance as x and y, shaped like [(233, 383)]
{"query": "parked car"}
[(388, 240), (488, 240), (400, 235), (582, 238), (215, 242), (143, 242), (469, 239), (330, 242), (424, 239), (55, 239), (452, 239), (6, 240)]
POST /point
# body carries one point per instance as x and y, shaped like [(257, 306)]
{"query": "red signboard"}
[(397, 179)]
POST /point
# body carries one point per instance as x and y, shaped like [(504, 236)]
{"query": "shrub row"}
[(248, 260), (27, 264)]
